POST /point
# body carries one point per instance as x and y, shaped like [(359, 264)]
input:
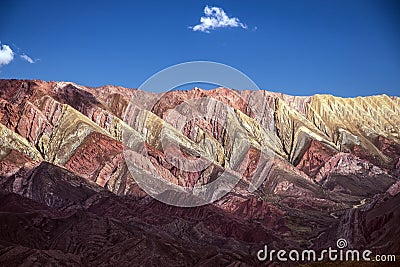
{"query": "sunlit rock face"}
[(325, 168)]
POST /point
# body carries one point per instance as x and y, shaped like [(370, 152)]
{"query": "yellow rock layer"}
[(12, 140)]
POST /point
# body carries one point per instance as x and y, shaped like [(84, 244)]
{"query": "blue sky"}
[(299, 47)]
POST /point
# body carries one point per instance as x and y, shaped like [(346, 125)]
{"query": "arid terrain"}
[(313, 170)]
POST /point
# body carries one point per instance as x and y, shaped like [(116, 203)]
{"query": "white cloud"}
[(6, 55), (27, 58), (216, 18)]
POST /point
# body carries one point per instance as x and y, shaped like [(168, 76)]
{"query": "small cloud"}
[(6, 55), (216, 18), (27, 58)]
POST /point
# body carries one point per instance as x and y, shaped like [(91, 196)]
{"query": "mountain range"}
[(79, 168)]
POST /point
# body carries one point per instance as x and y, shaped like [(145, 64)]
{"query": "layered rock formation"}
[(309, 170)]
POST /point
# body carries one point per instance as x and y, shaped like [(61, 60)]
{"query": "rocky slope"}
[(310, 170)]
